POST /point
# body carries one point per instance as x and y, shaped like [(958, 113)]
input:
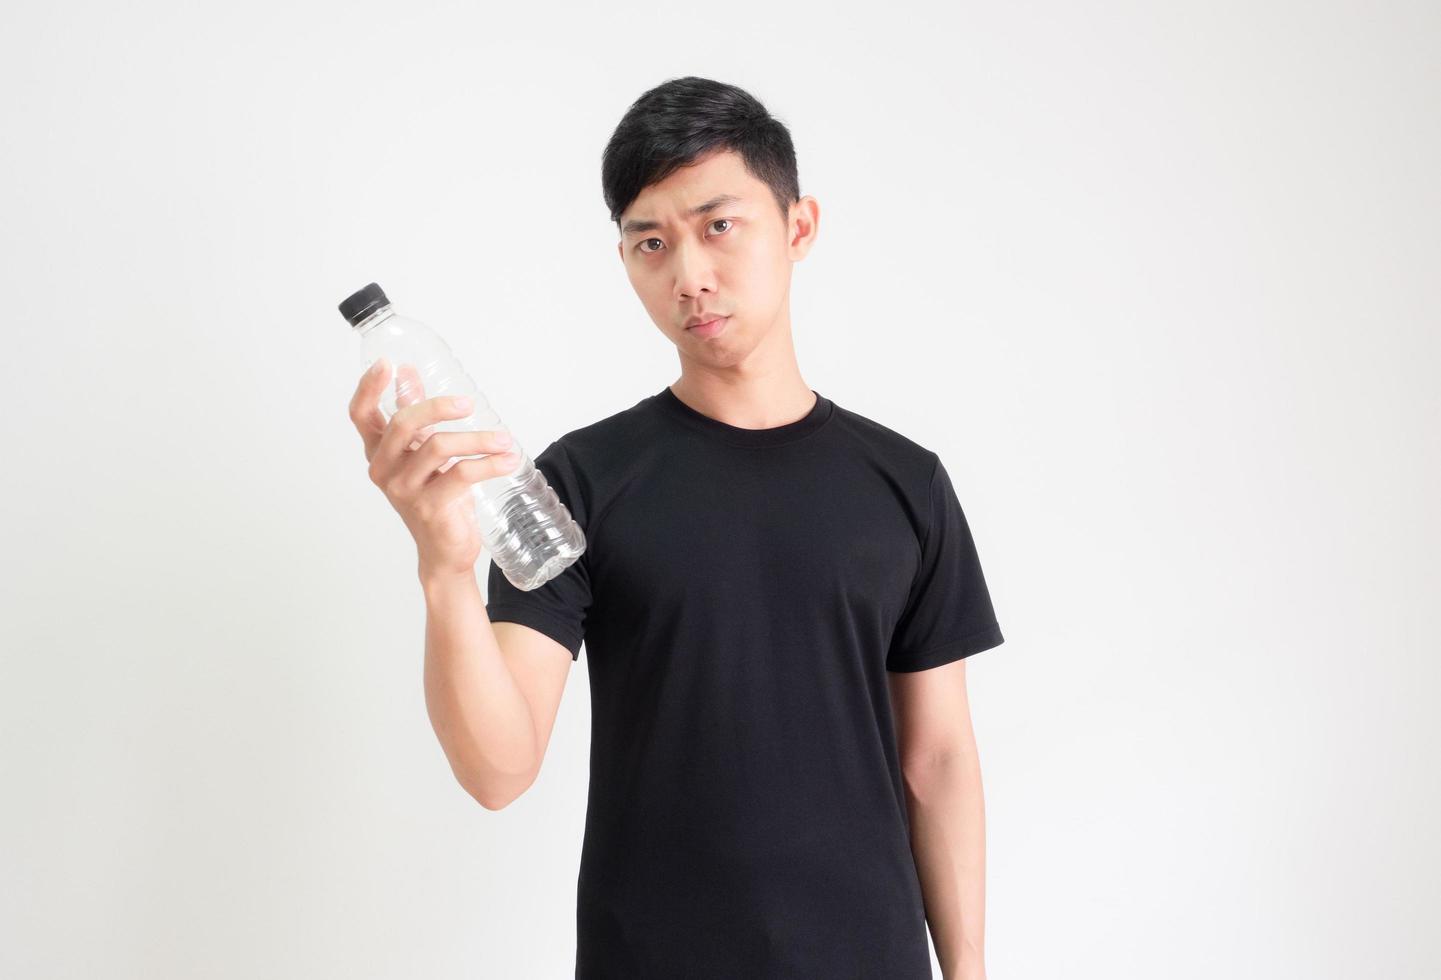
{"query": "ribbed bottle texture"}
[(526, 528)]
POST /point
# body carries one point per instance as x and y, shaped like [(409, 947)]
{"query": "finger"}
[(457, 480), (409, 390), (421, 434), (443, 450), (364, 406), (401, 433), (408, 387)]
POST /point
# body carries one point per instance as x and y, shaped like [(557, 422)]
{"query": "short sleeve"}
[(948, 614), (557, 608)]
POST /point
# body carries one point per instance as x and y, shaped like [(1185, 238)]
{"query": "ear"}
[(803, 226)]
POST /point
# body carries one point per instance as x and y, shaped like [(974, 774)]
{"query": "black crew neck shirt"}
[(742, 595)]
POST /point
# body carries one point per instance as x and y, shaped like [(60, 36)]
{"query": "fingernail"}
[(374, 367), (461, 403)]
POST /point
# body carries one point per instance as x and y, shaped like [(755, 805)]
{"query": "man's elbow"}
[(494, 804), (499, 792)]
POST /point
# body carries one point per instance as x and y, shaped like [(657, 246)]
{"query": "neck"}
[(762, 391)]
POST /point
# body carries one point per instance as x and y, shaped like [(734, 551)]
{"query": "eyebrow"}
[(635, 225)]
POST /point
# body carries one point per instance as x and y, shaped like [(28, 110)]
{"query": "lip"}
[(703, 318), (708, 326)]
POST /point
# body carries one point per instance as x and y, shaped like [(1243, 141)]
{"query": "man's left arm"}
[(942, 773)]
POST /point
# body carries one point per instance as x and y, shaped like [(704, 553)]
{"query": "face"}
[(708, 241)]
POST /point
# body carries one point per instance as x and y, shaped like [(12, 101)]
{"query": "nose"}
[(693, 272)]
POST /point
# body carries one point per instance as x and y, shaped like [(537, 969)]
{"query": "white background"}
[(1158, 282)]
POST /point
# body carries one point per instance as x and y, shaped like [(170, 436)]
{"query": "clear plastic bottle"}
[(526, 528)]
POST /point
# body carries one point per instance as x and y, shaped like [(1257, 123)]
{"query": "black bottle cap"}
[(361, 303)]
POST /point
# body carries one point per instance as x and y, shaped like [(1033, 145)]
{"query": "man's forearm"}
[(948, 840), (479, 713)]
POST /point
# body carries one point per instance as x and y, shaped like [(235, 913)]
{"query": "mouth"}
[(710, 328)]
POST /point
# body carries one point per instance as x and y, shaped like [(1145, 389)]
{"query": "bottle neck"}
[(379, 316)]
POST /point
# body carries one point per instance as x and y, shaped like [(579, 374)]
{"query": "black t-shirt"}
[(742, 595)]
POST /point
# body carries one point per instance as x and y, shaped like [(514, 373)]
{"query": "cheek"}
[(762, 275), (649, 288)]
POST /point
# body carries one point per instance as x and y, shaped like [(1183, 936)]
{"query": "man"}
[(777, 597)]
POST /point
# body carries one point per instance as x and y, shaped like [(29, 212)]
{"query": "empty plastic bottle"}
[(526, 528)]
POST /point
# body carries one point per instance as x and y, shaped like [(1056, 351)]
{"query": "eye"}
[(641, 245), (719, 220)]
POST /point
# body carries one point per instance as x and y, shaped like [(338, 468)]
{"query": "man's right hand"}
[(412, 464)]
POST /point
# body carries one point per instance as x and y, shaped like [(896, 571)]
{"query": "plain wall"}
[(1158, 283)]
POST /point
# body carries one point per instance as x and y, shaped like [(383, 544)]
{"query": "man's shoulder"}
[(898, 450), (586, 464), (596, 446)]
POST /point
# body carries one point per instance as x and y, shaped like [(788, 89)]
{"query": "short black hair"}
[(677, 122)]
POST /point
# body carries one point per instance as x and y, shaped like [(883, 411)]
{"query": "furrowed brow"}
[(637, 225)]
